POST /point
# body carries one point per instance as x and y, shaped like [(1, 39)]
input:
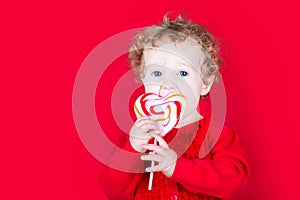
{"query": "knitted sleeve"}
[(221, 174)]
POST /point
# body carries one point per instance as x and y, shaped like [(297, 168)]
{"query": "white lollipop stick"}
[(151, 173)]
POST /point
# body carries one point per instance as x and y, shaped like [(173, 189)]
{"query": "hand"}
[(165, 157), (141, 132)]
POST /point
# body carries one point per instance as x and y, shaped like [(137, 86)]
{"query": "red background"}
[(44, 44)]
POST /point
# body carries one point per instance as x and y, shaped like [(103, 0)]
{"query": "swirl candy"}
[(166, 110)]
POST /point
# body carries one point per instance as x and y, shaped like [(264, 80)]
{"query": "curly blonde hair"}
[(175, 31)]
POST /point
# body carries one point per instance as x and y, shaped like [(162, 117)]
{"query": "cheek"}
[(191, 88)]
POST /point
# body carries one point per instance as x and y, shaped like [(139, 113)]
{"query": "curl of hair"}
[(174, 31)]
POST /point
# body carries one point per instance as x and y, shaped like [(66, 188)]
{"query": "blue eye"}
[(156, 73), (183, 73)]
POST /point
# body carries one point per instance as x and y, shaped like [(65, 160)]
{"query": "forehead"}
[(189, 52)]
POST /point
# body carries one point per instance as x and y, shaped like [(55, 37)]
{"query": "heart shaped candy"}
[(166, 110)]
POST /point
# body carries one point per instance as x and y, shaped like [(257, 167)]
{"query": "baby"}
[(178, 57)]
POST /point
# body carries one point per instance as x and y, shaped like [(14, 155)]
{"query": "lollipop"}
[(166, 110)]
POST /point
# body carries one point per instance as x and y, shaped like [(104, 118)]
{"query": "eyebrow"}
[(186, 64), (190, 66)]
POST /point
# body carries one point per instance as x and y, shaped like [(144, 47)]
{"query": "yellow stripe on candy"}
[(169, 108), (160, 119), (173, 95), (137, 110)]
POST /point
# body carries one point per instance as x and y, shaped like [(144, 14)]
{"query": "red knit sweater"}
[(216, 176)]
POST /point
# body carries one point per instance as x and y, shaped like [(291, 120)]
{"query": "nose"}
[(167, 87)]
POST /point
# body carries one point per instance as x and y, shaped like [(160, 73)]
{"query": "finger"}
[(149, 119), (142, 118), (145, 122), (153, 132), (151, 157), (161, 141), (152, 147), (145, 132), (156, 168), (146, 126), (150, 130), (141, 136)]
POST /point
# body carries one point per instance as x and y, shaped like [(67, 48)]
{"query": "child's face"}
[(176, 68)]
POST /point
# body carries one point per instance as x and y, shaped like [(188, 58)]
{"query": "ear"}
[(207, 87)]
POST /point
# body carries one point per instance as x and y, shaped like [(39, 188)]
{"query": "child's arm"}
[(117, 184), (219, 176)]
